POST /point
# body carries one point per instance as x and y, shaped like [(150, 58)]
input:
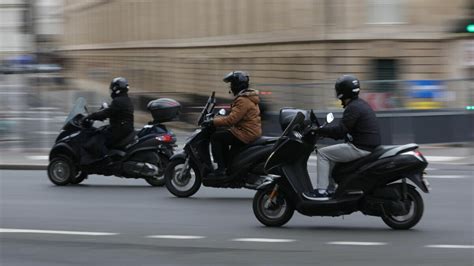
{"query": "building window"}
[(385, 11)]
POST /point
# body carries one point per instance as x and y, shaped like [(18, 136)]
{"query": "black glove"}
[(86, 122), (208, 123), (311, 130)]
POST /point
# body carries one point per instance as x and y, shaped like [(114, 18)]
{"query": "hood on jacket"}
[(251, 94)]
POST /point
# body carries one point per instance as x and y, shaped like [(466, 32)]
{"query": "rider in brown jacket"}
[(244, 121)]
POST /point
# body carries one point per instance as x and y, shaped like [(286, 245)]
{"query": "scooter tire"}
[(180, 188), (61, 171), (159, 179), (285, 207), (412, 218), (80, 176)]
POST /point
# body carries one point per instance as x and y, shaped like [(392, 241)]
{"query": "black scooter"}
[(142, 154), (376, 184), (186, 171)]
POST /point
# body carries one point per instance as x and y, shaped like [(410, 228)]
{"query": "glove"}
[(207, 123), (313, 130), (86, 122)]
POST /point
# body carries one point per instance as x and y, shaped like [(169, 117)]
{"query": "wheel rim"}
[(186, 181), (276, 208), (408, 216), (60, 171)]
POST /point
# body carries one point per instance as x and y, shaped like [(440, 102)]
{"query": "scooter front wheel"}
[(61, 171), (182, 180), (80, 176), (272, 210)]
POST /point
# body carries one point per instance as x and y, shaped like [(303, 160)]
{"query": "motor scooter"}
[(375, 185), (186, 171), (142, 154)]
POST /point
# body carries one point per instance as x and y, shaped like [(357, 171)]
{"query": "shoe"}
[(217, 174), (317, 194)]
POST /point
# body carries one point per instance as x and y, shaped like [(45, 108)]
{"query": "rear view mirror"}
[(222, 112), (329, 118)]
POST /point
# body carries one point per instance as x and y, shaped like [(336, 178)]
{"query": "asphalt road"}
[(112, 221)]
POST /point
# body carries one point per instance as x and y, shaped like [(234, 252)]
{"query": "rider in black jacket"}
[(358, 127), (120, 113)]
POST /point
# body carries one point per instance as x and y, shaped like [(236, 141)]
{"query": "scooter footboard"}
[(333, 207)]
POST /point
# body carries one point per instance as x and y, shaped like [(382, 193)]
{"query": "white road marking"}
[(443, 158), (431, 169), (264, 240), (13, 93), (38, 157), (450, 246), (352, 243), (32, 231), (445, 176), (182, 237), (47, 132), (44, 108)]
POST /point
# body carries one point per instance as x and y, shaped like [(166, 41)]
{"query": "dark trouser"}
[(220, 142), (114, 135)]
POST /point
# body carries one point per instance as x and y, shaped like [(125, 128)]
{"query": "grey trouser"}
[(329, 156)]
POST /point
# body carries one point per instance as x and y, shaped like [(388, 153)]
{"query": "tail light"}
[(165, 138), (417, 154)]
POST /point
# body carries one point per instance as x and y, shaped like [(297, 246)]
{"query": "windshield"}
[(208, 108), (78, 108)]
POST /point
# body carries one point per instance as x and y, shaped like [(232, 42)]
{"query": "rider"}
[(244, 121), (358, 127), (120, 113)]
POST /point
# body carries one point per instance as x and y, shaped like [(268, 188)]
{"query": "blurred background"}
[(415, 60)]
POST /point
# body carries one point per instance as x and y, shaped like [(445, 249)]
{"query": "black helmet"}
[(118, 85), (239, 81), (347, 87)]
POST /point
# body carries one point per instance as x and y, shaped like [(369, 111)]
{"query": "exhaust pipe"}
[(140, 169)]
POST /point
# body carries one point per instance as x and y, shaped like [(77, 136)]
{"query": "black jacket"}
[(120, 114), (358, 125)]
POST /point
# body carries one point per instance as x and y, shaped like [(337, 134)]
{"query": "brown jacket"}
[(244, 118)]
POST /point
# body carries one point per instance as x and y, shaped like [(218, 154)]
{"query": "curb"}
[(23, 167)]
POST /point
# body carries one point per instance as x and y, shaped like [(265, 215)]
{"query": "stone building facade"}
[(188, 45)]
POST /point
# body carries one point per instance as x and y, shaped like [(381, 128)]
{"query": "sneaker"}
[(317, 194)]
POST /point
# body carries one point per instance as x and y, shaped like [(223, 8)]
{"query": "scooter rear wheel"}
[(159, 179), (412, 217), (275, 213), (182, 186), (61, 171)]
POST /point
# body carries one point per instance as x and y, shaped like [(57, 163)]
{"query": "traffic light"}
[(470, 28), (463, 26)]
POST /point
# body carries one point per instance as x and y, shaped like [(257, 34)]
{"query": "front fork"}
[(184, 170), (272, 196)]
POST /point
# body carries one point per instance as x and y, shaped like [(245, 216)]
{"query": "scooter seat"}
[(350, 167), (263, 140), (122, 144), (379, 153)]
